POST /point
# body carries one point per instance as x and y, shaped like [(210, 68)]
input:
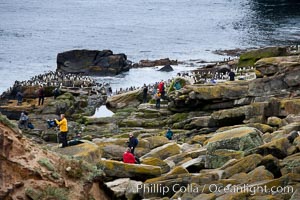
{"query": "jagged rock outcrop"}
[(92, 62)]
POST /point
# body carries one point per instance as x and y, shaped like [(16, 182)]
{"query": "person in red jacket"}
[(128, 157)]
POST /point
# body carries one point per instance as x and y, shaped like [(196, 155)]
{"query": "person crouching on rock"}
[(23, 122), (169, 134), (63, 127), (128, 157)]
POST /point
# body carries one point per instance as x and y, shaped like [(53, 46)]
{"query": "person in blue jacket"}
[(169, 134)]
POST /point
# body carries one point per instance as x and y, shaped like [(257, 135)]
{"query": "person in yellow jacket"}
[(63, 127), (157, 98)]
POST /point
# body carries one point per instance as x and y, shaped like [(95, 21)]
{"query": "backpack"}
[(136, 141), (30, 125)]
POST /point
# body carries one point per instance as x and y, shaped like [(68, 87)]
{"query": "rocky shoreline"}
[(233, 139)]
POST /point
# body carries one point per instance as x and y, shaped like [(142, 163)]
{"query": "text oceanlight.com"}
[(213, 188)]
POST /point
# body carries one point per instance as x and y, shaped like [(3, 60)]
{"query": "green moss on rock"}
[(157, 162)]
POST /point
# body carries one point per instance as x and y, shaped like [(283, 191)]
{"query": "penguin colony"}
[(61, 79)]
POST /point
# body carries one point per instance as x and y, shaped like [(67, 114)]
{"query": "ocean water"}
[(32, 32)]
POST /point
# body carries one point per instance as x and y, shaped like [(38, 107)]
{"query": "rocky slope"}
[(30, 171)]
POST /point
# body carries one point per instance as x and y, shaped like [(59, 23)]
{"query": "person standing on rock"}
[(63, 127), (41, 94), (145, 93), (128, 157), (161, 88), (231, 75), (132, 143), (19, 98), (157, 98), (56, 92)]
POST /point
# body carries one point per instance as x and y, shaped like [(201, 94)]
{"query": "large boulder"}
[(113, 148), (62, 104), (156, 141), (118, 169), (281, 81), (163, 152), (208, 97), (87, 150), (273, 65), (226, 145), (92, 62), (267, 85), (180, 158), (173, 183), (250, 57), (290, 106), (124, 188), (228, 116), (259, 174), (225, 91), (290, 164), (245, 164), (194, 165), (157, 162), (277, 148), (127, 99)]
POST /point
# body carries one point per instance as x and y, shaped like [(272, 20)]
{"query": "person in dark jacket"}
[(132, 142), (19, 98), (145, 93), (56, 92), (231, 75), (128, 157), (23, 122), (41, 94)]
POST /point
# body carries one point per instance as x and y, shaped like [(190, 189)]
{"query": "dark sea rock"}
[(92, 62), (153, 63), (166, 68)]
